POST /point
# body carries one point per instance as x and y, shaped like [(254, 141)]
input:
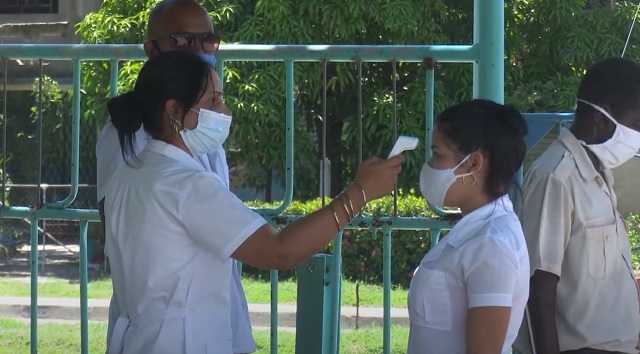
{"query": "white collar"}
[(172, 152), (466, 228)]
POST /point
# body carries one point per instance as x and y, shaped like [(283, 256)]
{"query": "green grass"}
[(257, 291), (57, 338)]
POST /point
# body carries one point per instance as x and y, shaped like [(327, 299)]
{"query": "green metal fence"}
[(485, 54)]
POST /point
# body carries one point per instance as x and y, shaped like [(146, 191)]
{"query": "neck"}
[(176, 141), (474, 203), (583, 134)]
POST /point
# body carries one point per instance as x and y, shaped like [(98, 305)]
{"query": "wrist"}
[(357, 196)]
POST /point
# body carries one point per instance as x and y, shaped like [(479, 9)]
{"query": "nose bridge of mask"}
[(599, 109), (209, 114)]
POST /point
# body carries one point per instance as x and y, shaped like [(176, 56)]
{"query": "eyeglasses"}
[(210, 42)]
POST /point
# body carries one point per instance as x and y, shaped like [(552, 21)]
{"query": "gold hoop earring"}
[(174, 125), (469, 184)]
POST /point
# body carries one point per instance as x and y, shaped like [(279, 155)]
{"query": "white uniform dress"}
[(109, 159), (172, 227), (482, 262)]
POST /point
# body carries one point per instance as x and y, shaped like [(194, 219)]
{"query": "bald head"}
[(174, 16), (180, 25)]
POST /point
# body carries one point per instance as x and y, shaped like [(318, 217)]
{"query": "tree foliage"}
[(549, 44)]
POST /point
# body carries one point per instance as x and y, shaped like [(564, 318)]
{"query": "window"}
[(28, 7)]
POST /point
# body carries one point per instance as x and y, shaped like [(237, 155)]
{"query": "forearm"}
[(542, 312), (307, 236), (486, 329)]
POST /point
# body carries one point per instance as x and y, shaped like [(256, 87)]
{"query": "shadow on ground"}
[(55, 261)]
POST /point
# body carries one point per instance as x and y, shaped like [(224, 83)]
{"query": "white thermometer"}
[(404, 143)]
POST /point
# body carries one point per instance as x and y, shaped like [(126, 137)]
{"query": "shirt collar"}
[(468, 226), (465, 227), (579, 155), (172, 152)]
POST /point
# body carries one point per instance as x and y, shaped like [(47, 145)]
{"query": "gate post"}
[(313, 309)]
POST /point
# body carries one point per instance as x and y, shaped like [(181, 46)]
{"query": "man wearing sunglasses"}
[(176, 25)]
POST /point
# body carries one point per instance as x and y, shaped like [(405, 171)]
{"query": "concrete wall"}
[(627, 187), (43, 28)]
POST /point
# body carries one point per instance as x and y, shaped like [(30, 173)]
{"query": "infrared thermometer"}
[(404, 143)]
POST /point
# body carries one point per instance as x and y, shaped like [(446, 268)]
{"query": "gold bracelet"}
[(335, 216), (346, 208), (346, 195), (364, 195)]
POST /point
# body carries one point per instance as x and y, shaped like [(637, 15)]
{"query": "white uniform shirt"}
[(483, 261), (109, 159), (172, 228)]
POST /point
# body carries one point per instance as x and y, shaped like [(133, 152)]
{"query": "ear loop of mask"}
[(460, 164)]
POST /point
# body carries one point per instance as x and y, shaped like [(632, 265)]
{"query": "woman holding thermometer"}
[(173, 228), (469, 292)]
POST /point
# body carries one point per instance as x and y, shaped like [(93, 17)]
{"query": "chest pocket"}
[(603, 251), (429, 300)]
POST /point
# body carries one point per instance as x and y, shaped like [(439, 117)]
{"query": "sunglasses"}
[(210, 42)]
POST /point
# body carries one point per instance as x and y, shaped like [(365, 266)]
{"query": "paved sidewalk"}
[(68, 309)]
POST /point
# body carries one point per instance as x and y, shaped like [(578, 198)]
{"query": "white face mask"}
[(620, 148), (434, 184), (210, 133)]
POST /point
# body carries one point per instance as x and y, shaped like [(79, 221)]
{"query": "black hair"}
[(174, 75), (611, 82), (495, 129)]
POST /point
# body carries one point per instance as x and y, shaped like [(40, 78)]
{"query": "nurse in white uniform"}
[(173, 227), (469, 292)]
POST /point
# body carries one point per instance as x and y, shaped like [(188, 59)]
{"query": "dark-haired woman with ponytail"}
[(469, 292), (172, 228)]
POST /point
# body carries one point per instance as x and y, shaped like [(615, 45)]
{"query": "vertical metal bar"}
[(435, 236), (75, 140), (313, 291), (39, 127), (360, 134), (386, 280), (335, 298), (289, 136), (4, 130), (34, 285), (274, 312), (429, 111), (429, 120), (288, 197), (394, 71), (323, 172), (488, 36), (220, 70), (113, 77), (84, 309)]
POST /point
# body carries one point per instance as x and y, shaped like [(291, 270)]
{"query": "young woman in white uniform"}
[(469, 292), (173, 227)]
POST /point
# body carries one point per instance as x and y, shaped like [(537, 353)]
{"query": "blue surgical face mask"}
[(209, 58)]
